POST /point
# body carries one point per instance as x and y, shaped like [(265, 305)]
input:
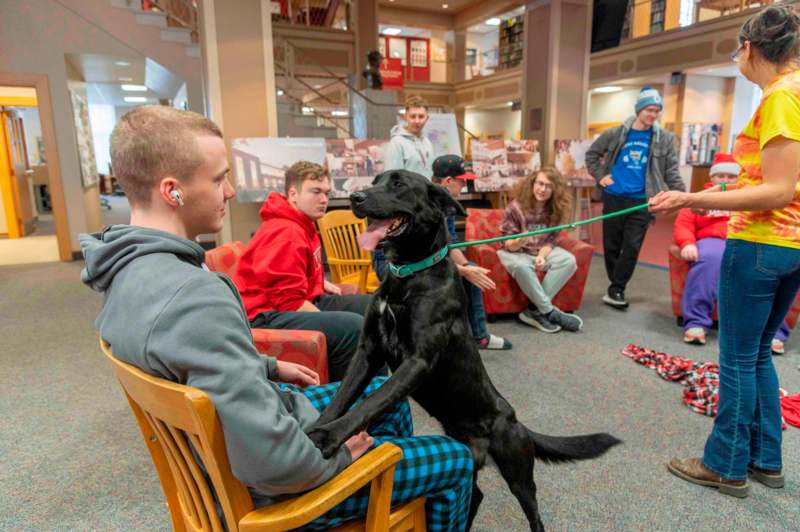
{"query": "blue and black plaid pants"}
[(435, 467)]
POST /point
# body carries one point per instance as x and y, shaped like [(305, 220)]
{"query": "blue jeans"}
[(758, 283), (475, 311)]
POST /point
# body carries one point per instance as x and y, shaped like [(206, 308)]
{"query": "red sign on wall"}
[(392, 73)]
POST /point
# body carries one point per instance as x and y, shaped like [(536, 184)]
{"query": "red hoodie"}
[(282, 266), (691, 227)]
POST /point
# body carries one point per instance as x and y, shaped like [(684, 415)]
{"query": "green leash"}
[(407, 270)]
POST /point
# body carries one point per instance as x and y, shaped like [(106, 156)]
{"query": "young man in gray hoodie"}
[(167, 314), (408, 148)]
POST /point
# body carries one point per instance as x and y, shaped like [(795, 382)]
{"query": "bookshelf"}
[(511, 45)]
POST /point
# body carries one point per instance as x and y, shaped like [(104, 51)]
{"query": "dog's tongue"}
[(374, 233)]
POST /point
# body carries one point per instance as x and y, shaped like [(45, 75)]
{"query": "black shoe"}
[(568, 322), (534, 318), (616, 299)]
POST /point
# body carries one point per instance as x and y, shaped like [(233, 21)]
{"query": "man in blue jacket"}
[(165, 313)]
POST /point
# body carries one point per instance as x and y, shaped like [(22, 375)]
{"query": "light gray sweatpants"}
[(559, 267)]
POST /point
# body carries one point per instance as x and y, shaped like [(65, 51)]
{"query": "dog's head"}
[(406, 214)]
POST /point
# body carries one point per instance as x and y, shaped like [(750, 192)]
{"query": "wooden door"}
[(14, 177)]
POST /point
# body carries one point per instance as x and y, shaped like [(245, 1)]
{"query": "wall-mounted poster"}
[(570, 157), (83, 132), (353, 164), (442, 130), (699, 143), (499, 164), (260, 164)]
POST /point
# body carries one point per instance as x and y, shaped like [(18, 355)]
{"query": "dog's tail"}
[(568, 448)]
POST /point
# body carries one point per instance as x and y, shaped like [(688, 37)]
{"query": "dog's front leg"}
[(330, 436), (364, 365)]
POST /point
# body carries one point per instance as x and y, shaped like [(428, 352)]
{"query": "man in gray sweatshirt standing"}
[(631, 163), (165, 313)]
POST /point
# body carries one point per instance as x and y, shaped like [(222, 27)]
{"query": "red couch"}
[(679, 269), (302, 347), (507, 297)]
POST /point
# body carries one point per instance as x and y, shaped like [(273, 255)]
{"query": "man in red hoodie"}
[(280, 275), (701, 239)]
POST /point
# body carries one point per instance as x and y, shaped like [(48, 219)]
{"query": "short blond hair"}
[(302, 171), (154, 141), (416, 101)]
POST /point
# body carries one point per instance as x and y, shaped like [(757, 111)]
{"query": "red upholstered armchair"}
[(507, 297), (302, 347), (679, 269)]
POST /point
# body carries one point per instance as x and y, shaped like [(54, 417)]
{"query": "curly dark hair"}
[(560, 203), (775, 33)]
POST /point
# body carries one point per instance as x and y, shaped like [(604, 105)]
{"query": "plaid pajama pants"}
[(436, 467)]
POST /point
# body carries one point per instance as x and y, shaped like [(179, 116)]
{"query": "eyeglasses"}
[(735, 55)]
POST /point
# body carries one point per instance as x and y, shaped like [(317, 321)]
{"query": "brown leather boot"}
[(771, 479), (693, 470)]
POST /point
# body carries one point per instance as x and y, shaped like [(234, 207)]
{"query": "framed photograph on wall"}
[(260, 164), (83, 133)]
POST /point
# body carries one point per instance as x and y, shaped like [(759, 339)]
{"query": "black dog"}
[(418, 326)]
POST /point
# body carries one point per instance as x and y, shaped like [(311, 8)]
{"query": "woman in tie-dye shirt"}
[(760, 272)]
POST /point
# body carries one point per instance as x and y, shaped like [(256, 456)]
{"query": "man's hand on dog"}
[(358, 444), (296, 374), (477, 276)]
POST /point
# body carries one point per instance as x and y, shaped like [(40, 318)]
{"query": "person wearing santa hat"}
[(700, 237)]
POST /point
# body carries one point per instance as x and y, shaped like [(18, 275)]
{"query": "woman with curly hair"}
[(760, 273), (541, 200)]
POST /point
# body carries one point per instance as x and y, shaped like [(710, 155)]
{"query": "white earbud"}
[(177, 197)]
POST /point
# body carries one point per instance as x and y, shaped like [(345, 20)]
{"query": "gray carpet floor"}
[(73, 458)]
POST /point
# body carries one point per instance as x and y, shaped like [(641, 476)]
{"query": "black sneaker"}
[(616, 299), (534, 318), (568, 322)]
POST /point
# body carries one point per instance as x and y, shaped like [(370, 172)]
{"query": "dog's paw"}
[(324, 440)]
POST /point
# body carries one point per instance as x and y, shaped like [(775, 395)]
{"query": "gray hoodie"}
[(166, 314), (409, 152)]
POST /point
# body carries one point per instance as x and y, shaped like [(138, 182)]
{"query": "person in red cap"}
[(700, 238), (449, 172)]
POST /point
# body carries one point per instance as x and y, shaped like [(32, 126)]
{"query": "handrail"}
[(316, 114), (369, 100), (183, 12)]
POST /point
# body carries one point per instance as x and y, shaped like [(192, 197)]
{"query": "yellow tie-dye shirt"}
[(777, 115)]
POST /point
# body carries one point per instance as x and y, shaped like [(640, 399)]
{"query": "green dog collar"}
[(408, 270)]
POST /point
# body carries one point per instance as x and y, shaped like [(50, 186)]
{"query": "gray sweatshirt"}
[(409, 152), (166, 314)]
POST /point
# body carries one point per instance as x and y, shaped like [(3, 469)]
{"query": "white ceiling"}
[(105, 74)]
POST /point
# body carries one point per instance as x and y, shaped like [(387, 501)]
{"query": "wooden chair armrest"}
[(296, 512), (350, 262)]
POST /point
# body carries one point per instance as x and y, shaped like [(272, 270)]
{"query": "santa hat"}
[(724, 163)]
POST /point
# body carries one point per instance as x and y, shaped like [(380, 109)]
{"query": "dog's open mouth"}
[(380, 229)]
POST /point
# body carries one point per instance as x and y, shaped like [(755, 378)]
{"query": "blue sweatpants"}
[(435, 467)]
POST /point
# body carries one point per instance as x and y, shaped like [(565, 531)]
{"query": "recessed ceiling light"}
[(445, 6), (125, 79), (392, 31), (122, 63), (280, 92), (134, 88), (607, 89), (339, 113), (494, 21), (510, 104), (135, 99), (402, 111)]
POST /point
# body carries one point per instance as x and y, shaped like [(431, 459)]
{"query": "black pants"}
[(623, 237), (340, 319)]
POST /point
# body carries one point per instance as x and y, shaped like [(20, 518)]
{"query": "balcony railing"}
[(334, 14), (180, 14)]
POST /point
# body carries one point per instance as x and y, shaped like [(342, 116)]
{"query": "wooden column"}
[(556, 71)]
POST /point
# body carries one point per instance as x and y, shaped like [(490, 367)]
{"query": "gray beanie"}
[(648, 96)]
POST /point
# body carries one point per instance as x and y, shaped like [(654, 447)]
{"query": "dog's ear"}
[(442, 198)]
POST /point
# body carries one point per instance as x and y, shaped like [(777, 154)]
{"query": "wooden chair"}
[(174, 419), (349, 263)]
